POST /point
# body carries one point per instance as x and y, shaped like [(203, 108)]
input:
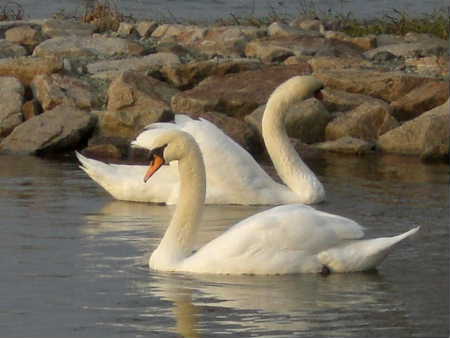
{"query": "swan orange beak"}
[(155, 164), (318, 95)]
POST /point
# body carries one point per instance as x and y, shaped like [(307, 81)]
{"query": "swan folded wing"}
[(283, 239)]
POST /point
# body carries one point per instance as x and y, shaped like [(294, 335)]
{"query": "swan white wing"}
[(125, 182), (283, 239)]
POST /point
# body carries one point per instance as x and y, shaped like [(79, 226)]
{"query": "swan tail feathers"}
[(361, 255), (95, 169)]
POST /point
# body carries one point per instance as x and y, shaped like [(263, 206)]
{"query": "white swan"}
[(233, 176), (292, 238)]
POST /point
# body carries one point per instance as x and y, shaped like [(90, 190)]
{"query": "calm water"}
[(207, 9), (73, 261)]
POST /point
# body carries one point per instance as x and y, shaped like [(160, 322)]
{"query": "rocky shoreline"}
[(64, 87)]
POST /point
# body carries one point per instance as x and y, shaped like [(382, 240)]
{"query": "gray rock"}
[(10, 49), (111, 69), (76, 46), (59, 129), (63, 28), (11, 99), (413, 49)]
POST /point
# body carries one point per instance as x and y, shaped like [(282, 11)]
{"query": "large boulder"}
[(366, 122), (321, 63), (55, 89), (185, 76), (420, 99), (134, 101), (305, 120), (10, 49), (388, 86), (78, 46), (63, 28), (237, 94), (56, 130), (26, 68), (426, 135), (11, 99)]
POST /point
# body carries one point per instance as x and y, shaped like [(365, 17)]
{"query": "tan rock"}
[(278, 29), (308, 24), (187, 34), (25, 36), (56, 89), (237, 94), (365, 43), (366, 122), (420, 99), (126, 29), (430, 65), (267, 52), (388, 86), (10, 111), (26, 68), (411, 49), (427, 134)]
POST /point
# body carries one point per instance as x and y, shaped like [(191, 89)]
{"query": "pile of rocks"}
[(63, 86)]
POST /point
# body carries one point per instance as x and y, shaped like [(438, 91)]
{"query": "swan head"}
[(169, 145), (296, 89)]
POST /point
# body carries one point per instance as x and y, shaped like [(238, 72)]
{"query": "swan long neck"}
[(288, 164), (179, 239)]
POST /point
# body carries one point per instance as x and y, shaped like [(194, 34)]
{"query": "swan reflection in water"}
[(200, 304)]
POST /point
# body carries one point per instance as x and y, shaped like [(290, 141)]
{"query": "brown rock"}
[(426, 135), (430, 65), (420, 99), (135, 92), (146, 28), (63, 28), (10, 49), (31, 109), (388, 86), (235, 94), (55, 89), (267, 52), (26, 68), (365, 122), (186, 76)]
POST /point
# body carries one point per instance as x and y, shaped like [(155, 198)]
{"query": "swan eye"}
[(156, 152)]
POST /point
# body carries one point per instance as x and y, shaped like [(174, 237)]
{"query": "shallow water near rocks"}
[(74, 262)]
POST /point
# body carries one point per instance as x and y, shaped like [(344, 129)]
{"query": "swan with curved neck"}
[(292, 238), (233, 176)]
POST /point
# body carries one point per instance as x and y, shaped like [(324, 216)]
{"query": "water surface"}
[(74, 261), (175, 10)]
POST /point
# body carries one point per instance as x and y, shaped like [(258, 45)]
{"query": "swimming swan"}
[(293, 238), (233, 176)]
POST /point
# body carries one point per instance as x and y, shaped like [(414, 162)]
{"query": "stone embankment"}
[(64, 87)]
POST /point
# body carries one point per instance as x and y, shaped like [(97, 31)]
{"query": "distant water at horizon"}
[(207, 10)]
